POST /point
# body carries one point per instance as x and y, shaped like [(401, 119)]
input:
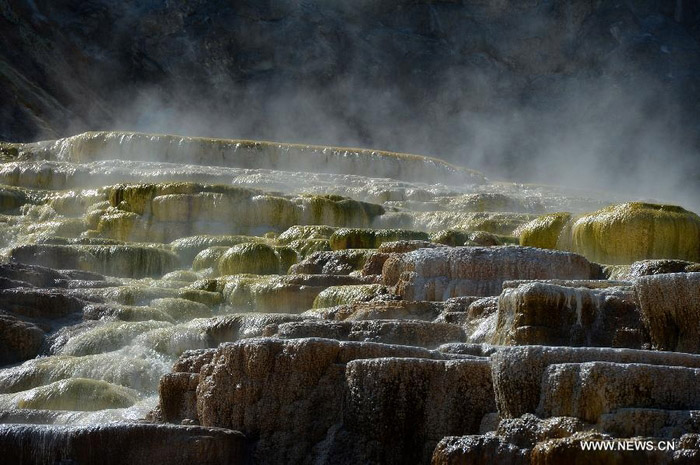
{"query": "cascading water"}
[(121, 274), (181, 217)]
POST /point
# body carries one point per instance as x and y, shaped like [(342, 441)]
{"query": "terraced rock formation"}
[(173, 300)]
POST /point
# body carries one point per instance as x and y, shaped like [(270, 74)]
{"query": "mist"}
[(595, 134), (598, 97)]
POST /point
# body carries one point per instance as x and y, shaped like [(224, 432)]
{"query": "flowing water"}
[(175, 239)]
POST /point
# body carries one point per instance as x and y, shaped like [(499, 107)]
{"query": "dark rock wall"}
[(120, 443)]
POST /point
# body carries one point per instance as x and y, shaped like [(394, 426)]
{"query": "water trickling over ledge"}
[(96, 146)]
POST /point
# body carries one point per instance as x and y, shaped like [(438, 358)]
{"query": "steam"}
[(595, 134), (551, 96)]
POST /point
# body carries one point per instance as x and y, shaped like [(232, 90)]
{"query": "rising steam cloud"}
[(595, 97), (595, 134)]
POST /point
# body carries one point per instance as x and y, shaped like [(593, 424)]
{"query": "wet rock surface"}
[(253, 314), (441, 273), (670, 306), (289, 398), (405, 332), (548, 314), (120, 444), (19, 340), (399, 408), (518, 372)]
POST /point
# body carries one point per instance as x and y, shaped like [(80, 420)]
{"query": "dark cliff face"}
[(490, 84)]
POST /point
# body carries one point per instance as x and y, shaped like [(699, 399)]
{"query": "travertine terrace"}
[(249, 302)]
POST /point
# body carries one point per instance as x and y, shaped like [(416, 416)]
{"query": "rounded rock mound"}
[(622, 234), (256, 258), (619, 234)]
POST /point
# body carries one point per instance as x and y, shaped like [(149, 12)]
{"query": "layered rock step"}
[(553, 401), (591, 389), (562, 440), (245, 154), (117, 444), (574, 313), (404, 332), (130, 261), (304, 380), (519, 372), (441, 273), (397, 409), (380, 403)]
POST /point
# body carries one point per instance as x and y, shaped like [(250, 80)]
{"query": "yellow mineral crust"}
[(77, 394), (371, 238), (340, 295), (625, 233), (256, 258), (543, 232), (619, 234)]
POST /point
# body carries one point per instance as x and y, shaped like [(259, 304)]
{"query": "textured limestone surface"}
[(518, 371), (540, 313), (670, 305), (478, 449), (341, 262), (558, 440), (441, 273), (591, 389), (285, 393), (404, 332), (650, 422), (661, 266), (380, 310), (404, 406)]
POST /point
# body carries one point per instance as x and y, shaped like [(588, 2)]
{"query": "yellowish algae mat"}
[(620, 234)]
